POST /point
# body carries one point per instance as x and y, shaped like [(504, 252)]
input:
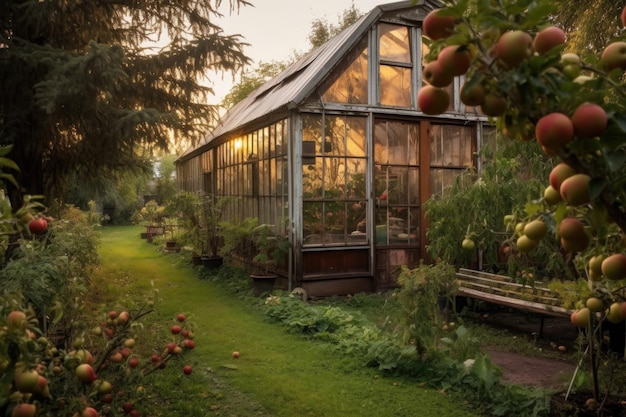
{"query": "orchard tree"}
[(574, 108), (87, 86)]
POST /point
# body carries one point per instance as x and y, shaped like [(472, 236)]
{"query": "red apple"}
[(116, 357), (127, 407), (436, 76), (181, 317), (189, 344), (472, 94), (133, 362), (85, 373), (436, 26), (575, 190), (514, 47), (175, 329), (493, 105), (455, 59), (187, 369), (580, 318), (24, 410), (589, 120), (38, 226), (16, 319), (614, 267), (548, 38), (559, 173), (123, 317), (112, 315), (614, 56), (432, 100), (571, 228), (235, 354), (554, 130)]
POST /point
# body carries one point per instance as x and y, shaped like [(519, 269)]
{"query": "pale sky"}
[(275, 29)]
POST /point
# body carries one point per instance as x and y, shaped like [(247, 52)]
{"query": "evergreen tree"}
[(85, 91)]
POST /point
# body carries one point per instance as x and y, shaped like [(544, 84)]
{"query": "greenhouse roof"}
[(292, 86)]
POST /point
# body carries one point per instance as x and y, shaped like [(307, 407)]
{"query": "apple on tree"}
[(514, 47), (548, 38), (435, 26), (433, 100)]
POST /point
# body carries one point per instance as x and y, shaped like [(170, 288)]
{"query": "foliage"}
[(238, 238), (89, 370), (251, 80), (474, 208), (424, 292), (84, 89), (589, 31), (536, 90), (271, 249), (322, 30)]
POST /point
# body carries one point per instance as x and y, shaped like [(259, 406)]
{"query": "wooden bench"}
[(501, 290)]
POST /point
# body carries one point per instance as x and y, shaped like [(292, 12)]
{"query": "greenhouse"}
[(336, 155)]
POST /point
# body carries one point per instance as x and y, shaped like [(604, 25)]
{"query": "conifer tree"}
[(86, 91)]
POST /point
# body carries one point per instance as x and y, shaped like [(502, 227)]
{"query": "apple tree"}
[(572, 105)]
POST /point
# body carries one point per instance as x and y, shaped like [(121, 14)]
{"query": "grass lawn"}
[(277, 374)]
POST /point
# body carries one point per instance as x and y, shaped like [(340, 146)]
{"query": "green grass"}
[(277, 374)]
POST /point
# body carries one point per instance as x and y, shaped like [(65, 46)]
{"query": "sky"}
[(276, 29)]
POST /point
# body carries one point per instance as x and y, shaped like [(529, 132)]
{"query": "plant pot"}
[(212, 262), (144, 235), (262, 283), (170, 244), (196, 260)]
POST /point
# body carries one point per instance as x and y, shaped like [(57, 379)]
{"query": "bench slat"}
[(554, 311)]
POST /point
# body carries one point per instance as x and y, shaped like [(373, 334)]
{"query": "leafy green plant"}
[(271, 249)]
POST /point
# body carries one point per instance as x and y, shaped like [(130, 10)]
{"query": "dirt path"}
[(532, 371)]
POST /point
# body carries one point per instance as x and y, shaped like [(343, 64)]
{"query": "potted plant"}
[(271, 252), (211, 231)]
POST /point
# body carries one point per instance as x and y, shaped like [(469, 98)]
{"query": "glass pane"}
[(395, 86), (349, 85), (334, 178), (394, 43), (356, 145), (396, 143), (312, 180), (355, 174), (451, 145), (442, 178)]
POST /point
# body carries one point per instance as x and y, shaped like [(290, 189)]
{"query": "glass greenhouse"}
[(335, 153)]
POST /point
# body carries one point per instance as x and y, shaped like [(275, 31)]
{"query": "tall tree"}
[(85, 90), (591, 30), (322, 30)]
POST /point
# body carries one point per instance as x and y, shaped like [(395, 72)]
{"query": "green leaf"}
[(596, 186), (6, 162), (614, 159)]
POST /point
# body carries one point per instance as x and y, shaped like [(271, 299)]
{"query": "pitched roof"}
[(292, 86)]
